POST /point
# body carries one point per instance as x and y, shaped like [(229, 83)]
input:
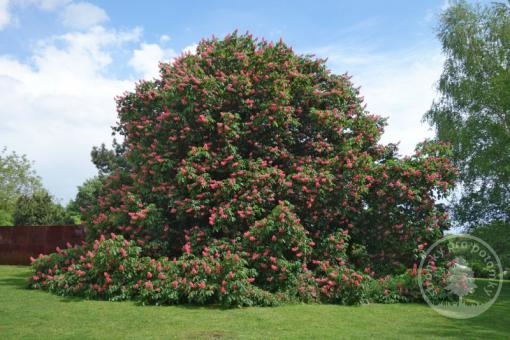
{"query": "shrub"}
[(113, 269), (104, 270)]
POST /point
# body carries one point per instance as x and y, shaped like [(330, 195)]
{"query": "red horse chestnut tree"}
[(248, 156)]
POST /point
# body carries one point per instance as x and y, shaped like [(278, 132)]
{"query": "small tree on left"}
[(23, 199), (17, 178)]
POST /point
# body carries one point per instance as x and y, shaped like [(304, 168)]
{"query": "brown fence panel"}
[(18, 243)]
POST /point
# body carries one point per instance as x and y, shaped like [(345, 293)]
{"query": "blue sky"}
[(62, 62)]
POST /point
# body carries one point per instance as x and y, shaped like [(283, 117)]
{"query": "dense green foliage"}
[(473, 111), (17, 178), (497, 235), (39, 208), (259, 164)]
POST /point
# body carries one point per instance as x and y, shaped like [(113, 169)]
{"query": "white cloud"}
[(399, 85), (146, 59), (57, 107), (82, 15), (50, 5), (5, 15), (191, 49)]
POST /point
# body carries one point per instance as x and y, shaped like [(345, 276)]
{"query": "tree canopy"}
[(108, 160), (17, 178), (39, 208), (473, 110)]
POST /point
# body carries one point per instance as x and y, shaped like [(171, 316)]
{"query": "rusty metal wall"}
[(18, 243)]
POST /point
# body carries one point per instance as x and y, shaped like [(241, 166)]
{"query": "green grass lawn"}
[(36, 314)]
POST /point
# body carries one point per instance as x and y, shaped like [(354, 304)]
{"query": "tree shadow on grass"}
[(186, 306), (68, 299), (16, 280), (492, 324), (476, 328)]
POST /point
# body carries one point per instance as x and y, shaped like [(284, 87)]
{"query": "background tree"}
[(108, 160), (496, 234), (473, 110), (17, 178), (39, 208), (85, 198)]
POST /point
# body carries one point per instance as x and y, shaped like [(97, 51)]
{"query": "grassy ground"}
[(35, 314)]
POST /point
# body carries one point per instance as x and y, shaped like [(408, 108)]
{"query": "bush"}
[(113, 269), (104, 270), (260, 156)]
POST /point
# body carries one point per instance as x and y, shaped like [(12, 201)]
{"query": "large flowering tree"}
[(246, 150)]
